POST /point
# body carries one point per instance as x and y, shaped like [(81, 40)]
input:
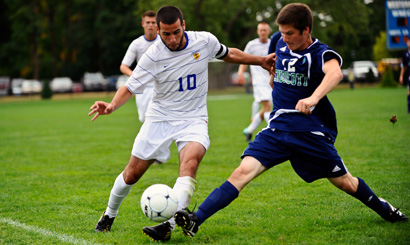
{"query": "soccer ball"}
[(159, 202)]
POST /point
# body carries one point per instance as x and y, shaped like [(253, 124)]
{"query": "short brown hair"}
[(148, 13), (298, 15)]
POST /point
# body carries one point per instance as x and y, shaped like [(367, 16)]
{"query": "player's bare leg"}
[(122, 186), (263, 114)]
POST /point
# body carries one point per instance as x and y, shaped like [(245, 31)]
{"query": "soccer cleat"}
[(394, 214), (161, 232), (247, 135), (104, 224), (187, 221), (156, 162)]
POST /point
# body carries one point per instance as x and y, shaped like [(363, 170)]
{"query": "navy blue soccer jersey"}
[(405, 61), (297, 76)]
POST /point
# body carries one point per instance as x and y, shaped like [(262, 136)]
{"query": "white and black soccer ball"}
[(159, 202)]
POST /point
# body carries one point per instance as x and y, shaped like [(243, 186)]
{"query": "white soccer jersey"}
[(136, 49), (256, 47), (180, 77)]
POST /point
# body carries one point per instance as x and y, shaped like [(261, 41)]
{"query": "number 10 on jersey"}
[(190, 83)]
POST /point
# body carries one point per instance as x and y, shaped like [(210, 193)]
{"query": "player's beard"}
[(179, 46)]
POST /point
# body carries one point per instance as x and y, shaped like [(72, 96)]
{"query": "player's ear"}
[(183, 24), (306, 31)]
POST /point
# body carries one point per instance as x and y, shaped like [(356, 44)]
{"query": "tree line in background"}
[(42, 39)]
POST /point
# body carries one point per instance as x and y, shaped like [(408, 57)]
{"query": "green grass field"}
[(58, 167)]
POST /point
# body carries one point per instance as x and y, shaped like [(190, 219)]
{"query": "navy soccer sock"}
[(368, 198), (408, 103), (217, 200)]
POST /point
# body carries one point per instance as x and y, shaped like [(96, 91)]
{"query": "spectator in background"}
[(405, 65)]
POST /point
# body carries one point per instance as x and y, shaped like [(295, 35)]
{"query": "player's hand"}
[(241, 79), (307, 105), (270, 63), (273, 66), (101, 108)]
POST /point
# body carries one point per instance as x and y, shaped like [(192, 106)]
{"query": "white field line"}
[(44, 232), (224, 97)]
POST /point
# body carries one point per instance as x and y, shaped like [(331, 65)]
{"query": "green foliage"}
[(379, 48), (68, 38), (58, 168), (46, 92), (388, 79)]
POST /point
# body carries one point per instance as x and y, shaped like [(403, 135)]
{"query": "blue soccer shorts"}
[(311, 154)]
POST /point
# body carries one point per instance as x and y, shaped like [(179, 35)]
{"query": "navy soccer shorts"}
[(312, 154)]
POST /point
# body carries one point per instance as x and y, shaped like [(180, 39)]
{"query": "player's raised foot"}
[(187, 221), (104, 224), (394, 214), (161, 232), (247, 135)]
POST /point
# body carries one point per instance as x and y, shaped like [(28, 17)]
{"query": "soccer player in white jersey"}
[(262, 90), (134, 53), (177, 65)]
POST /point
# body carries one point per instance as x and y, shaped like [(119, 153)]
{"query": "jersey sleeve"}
[(142, 75), (130, 55), (273, 41), (219, 50), (331, 54)]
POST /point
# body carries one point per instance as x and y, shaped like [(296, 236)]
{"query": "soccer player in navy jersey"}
[(177, 66), (405, 65), (302, 126)]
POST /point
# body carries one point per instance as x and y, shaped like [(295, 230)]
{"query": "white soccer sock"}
[(266, 116), (184, 188), (255, 107), (118, 193), (255, 123)]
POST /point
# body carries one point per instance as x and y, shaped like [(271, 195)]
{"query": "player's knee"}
[(347, 186)]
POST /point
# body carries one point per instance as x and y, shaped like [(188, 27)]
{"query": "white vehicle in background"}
[(361, 68), (4, 86), (94, 82), (121, 81), (16, 84), (31, 87), (61, 85)]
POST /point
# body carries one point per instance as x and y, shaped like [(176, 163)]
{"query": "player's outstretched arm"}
[(104, 108), (332, 77), (239, 57)]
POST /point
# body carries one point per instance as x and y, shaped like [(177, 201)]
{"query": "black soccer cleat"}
[(187, 221), (394, 214), (161, 232), (104, 224), (247, 135)]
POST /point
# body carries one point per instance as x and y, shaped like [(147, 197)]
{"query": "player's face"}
[(263, 32), (149, 25), (172, 35), (295, 40)]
